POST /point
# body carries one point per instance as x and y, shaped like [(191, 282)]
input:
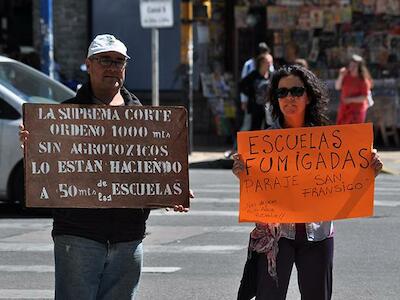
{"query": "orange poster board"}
[(306, 174)]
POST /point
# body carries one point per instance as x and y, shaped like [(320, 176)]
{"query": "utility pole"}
[(156, 14), (187, 61), (155, 90), (46, 34)]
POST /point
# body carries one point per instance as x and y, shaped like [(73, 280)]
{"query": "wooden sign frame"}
[(96, 156)]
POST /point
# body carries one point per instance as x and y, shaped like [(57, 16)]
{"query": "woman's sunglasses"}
[(296, 91)]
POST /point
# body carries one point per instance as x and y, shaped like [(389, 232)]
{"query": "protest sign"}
[(93, 156), (308, 174)]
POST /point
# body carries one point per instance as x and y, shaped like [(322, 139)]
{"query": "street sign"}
[(156, 13)]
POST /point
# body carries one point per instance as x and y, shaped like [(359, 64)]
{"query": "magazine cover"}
[(394, 46), (290, 2), (393, 7), (317, 17), (304, 22), (241, 16), (276, 16), (329, 20)]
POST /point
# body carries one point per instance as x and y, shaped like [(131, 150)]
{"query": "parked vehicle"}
[(20, 84)]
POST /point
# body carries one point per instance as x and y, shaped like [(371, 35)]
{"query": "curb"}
[(212, 164), (390, 172)]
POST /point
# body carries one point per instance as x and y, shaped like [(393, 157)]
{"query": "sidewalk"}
[(215, 159), (212, 159), (391, 162)]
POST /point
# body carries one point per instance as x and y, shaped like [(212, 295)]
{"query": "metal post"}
[(46, 32), (190, 92), (187, 61), (155, 67)]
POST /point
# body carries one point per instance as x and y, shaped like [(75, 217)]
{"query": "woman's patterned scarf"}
[(264, 239)]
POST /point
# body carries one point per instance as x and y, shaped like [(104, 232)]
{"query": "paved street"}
[(200, 255)]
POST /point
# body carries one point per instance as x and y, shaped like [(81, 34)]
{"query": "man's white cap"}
[(105, 43)]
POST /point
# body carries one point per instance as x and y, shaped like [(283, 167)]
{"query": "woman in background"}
[(255, 87), (354, 83)]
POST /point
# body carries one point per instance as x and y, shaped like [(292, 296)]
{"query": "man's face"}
[(106, 70)]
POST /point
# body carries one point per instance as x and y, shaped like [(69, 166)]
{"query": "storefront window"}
[(327, 32)]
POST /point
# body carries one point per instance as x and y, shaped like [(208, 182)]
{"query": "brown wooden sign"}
[(93, 156)]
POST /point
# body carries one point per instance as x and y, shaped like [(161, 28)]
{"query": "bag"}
[(268, 115), (370, 99), (261, 90)]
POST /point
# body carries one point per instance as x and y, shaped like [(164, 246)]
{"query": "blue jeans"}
[(89, 270)]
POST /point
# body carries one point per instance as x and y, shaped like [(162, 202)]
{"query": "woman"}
[(254, 86), (298, 99), (355, 83)]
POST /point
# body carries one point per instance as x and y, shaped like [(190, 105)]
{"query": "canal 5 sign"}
[(156, 13), (104, 156), (306, 174)]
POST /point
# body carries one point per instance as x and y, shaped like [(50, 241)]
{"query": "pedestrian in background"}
[(243, 117), (354, 83), (298, 99), (301, 62), (255, 87), (98, 252), (249, 66), (290, 55)]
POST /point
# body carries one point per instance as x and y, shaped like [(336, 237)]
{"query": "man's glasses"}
[(296, 91), (108, 62)]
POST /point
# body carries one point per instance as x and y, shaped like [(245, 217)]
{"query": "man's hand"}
[(180, 208), (23, 135)]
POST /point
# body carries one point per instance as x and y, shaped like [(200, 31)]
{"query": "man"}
[(98, 252)]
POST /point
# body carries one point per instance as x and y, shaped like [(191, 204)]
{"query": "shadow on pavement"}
[(212, 164), (8, 210)]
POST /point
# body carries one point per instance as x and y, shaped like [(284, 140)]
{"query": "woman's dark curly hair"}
[(316, 91)]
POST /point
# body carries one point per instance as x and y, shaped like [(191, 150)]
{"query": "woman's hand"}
[(376, 162), (339, 80), (342, 71), (238, 164), (23, 135)]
